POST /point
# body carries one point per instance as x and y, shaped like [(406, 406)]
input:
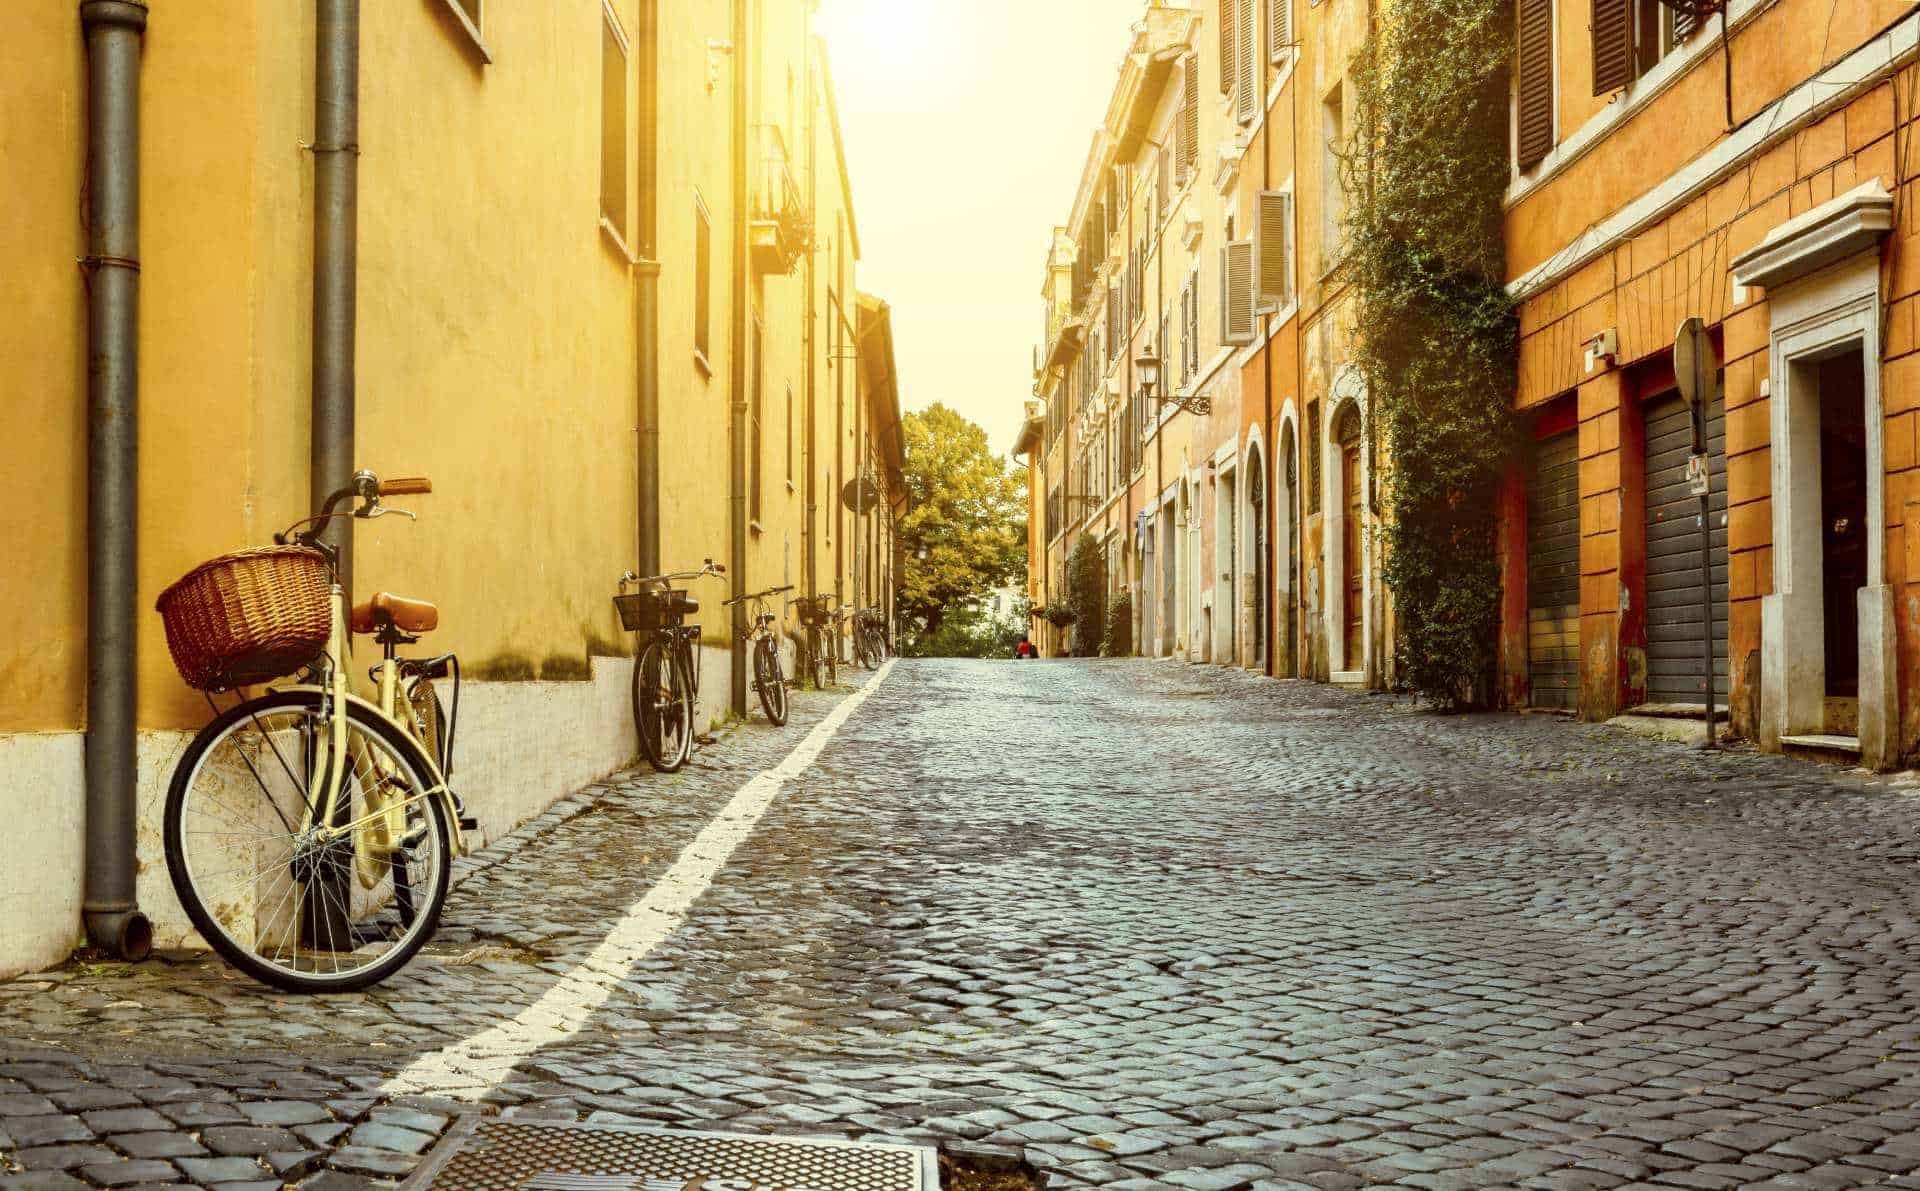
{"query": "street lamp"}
[(1148, 366)]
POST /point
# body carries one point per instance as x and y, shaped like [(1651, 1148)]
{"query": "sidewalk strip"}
[(470, 1068)]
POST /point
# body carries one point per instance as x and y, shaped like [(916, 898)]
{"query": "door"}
[(1676, 591), (1843, 529), (1553, 573), (1353, 563), (1257, 512), (1230, 569)]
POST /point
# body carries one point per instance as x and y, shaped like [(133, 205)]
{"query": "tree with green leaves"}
[(965, 530)]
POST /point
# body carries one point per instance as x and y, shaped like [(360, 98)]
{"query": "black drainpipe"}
[(336, 174), (737, 407), (113, 31)]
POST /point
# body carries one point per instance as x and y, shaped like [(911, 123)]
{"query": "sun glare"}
[(899, 44)]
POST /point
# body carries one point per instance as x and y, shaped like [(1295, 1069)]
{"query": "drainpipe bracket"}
[(130, 13)]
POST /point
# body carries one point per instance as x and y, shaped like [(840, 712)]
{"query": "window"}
[(756, 408), (1193, 323), (1237, 322), (613, 125), (1187, 133), (702, 285), (1333, 126), (1279, 29), (1248, 75)]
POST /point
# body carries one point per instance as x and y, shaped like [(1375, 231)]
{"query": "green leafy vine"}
[(1436, 335)]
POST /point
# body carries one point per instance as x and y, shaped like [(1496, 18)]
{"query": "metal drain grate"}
[(486, 1153)]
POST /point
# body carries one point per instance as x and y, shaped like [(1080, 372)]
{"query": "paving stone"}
[(130, 1172), (124, 1120), (47, 1130), (220, 1170), (158, 1145)]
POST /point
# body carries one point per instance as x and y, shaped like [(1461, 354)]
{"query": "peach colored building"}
[(1652, 184)]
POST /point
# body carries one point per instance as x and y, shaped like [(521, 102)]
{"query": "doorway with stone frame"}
[(1828, 640)]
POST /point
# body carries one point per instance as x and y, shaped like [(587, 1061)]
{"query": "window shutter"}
[(1164, 187), (1187, 137), (1279, 28), (1193, 324), (1229, 53), (1114, 325), (1684, 25), (1276, 241), (1247, 94), (1186, 316), (1612, 45), (1236, 284), (1534, 63)]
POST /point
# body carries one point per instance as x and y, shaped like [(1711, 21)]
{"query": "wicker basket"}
[(645, 611), (248, 617), (813, 610)]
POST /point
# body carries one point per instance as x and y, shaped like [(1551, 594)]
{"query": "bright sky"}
[(966, 124)]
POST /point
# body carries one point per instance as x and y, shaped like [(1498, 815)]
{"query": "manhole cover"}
[(485, 1153)]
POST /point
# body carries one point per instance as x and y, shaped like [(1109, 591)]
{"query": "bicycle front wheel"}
[(301, 905), (771, 683), (663, 707)]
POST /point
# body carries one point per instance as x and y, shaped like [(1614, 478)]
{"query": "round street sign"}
[(861, 495)]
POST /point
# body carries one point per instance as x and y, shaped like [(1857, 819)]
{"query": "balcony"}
[(779, 227)]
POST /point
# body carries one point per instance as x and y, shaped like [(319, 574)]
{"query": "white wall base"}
[(1879, 671), (40, 879), (520, 747)]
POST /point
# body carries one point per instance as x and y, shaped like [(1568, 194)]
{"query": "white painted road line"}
[(470, 1068)]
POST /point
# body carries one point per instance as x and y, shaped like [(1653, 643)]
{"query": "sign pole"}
[(1696, 369)]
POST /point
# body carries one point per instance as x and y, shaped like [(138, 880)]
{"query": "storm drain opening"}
[(487, 1153), (987, 1168)]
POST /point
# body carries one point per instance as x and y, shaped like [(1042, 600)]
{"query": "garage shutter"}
[(1553, 573), (1675, 671)]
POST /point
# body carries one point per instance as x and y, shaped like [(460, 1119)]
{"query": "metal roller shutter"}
[(1675, 667), (1553, 573)]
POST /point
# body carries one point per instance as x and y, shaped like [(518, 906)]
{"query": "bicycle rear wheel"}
[(771, 683), (304, 907), (663, 707)]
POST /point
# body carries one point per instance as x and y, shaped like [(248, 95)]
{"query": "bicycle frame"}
[(334, 695)]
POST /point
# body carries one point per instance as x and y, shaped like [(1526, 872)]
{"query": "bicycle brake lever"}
[(383, 510)]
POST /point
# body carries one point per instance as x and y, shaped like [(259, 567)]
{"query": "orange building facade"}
[(1233, 503), (1653, 184)]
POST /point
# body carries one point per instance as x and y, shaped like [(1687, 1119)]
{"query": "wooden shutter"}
[(1684, 25), (1247, 94), (1163, 186), (1186, 314), (1188, 136), (1534, 92), (1228, 44), (1279, 28), (1193, 322), (1612, 25), (1276, 242), (1236, 292)]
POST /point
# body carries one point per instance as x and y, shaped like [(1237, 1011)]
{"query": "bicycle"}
[(821, 663), (666, 679), (310, 832), (869, 638), (768, 680)]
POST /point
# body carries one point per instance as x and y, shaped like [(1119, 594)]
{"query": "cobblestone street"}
[(1140, 923)]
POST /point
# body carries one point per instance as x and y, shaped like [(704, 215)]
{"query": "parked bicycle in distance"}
[(764, 644), (309, 832), (666, 676), (821, 663), (870, 638)]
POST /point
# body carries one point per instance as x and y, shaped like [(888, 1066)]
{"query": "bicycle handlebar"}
[(365, 487), (709, 567), (755, 595)]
